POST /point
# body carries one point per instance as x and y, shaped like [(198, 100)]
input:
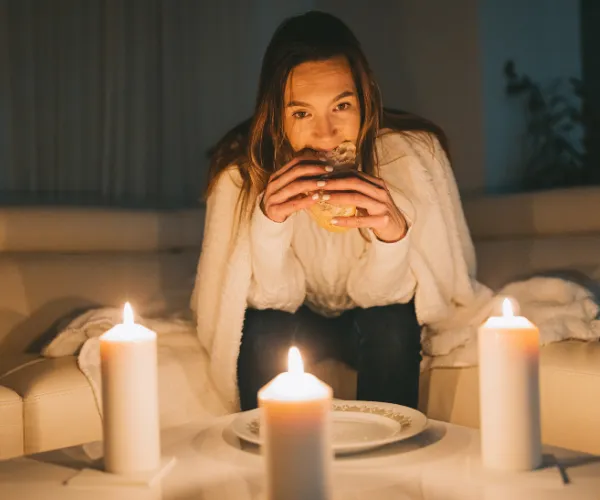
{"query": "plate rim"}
[(418, 425)]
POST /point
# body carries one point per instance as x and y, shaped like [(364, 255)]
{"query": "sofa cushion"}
[(11, 423), (569, 381), (534, 214), (38, 289), (520, 234), (68, 229), (58, 409)]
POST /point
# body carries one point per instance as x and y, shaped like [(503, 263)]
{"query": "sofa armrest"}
[(59, 408), (569, 383), (11, 424), (15, 362)]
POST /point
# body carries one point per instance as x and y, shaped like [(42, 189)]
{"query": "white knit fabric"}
[(298, 262)]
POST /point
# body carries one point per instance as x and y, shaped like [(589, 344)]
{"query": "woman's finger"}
[(369, 221), (354, 198), (356, 183), (299, 160), (298, 187), (282, 211), (280, 171), (295, 173)]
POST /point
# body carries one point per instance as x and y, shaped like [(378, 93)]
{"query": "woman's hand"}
[(291, 188), (370, 194)]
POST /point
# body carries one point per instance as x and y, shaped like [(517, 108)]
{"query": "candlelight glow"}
[(507, 308), (510, 316), (294, 384), (129, 330), (295, 364), (128, 314)]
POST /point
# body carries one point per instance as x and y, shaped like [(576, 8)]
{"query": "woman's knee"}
[(270, 331), (268, 327), (389, 325)]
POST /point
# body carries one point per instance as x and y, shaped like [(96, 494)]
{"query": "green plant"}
[(553, 149)]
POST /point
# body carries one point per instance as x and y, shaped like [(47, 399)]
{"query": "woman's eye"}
[(300, 115), (342, 106)]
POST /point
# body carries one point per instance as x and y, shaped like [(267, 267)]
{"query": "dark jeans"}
[(382, 343)]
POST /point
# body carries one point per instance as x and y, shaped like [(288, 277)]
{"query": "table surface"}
[(443, 462)]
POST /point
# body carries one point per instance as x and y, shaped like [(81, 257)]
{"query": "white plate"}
[(357, 425)]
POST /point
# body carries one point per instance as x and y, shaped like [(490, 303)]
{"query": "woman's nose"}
[(325, 129)]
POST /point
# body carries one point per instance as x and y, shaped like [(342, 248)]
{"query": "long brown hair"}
[(258, 147)]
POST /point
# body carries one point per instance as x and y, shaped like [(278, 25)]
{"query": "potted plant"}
[(555, 155)]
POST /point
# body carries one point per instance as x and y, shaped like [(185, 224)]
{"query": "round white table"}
[(212, 464)]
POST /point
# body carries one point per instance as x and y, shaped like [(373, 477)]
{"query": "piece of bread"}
[(343, 160)]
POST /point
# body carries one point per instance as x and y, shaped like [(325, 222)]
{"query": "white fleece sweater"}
[(440, 258), (298, 262)]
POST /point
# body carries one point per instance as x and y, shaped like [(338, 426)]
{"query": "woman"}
[(270, 277)]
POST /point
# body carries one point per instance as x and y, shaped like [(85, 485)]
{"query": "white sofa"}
[(54, 262)]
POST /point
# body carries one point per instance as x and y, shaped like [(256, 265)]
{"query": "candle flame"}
[(507, 308), (127, 314), (295, 364)]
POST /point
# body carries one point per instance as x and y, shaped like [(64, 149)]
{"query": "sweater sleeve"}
[(211, 271), (278, 279), (382, 275)]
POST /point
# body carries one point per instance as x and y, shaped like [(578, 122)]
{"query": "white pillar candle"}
[(509, 392), (296, 422), (130, 397)]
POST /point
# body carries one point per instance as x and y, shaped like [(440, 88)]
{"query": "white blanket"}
[(186, 392), (560, 308)]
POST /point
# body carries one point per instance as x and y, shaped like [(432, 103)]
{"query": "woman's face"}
[(321, 108)]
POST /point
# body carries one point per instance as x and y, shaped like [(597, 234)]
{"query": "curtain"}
[(116, 102)]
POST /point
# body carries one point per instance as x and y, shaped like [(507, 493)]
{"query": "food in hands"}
[(343, 161)]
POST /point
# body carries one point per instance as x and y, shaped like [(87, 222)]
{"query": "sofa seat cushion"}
[(11, 423), (569, 381), (58, 409)]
